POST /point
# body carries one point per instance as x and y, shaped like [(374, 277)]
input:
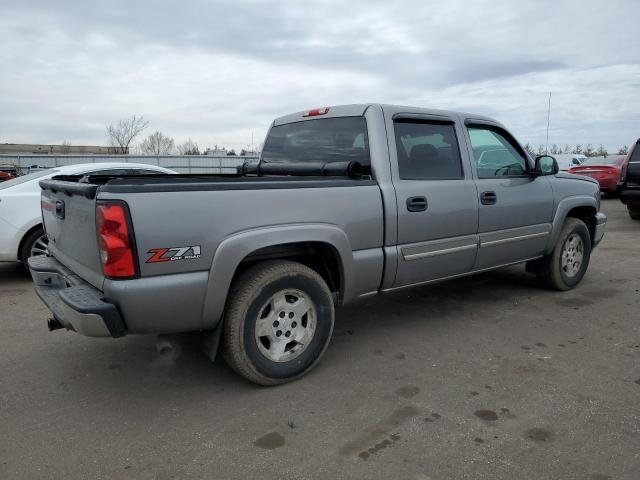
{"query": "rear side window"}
[(339, 139), (427, 150)]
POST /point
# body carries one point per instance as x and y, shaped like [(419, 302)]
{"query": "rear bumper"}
[(74, 303), (601, 223)]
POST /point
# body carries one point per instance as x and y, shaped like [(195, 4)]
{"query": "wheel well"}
[(24, 238), (320, 256), (587, 215)]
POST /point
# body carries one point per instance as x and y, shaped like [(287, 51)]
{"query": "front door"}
[(515, 208), (437, 201)]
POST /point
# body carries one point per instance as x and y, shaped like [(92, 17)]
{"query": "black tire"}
[(552, 274), (28, 243), (245, 306), (634, 212)]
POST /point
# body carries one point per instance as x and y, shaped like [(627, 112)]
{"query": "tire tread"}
[(240, 296)]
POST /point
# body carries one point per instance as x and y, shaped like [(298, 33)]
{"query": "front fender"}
[(234, 249), (564, 207)]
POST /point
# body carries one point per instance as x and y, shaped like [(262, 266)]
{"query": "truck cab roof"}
[(356, 110)]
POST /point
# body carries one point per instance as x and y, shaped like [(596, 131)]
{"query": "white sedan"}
[(21, 232)]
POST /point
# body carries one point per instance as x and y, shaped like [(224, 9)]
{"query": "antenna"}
[(546, 148)]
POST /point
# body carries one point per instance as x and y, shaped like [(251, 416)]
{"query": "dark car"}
[(629, 184)]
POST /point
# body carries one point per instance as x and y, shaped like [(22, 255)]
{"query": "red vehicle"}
[(5, 176), (606, 170)]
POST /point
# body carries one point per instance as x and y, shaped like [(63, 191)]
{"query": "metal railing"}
[(179, 163)]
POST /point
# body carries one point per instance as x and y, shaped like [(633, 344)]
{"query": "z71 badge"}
[(173, 254)]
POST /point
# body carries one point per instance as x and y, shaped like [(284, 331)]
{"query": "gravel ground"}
[(483, 377)]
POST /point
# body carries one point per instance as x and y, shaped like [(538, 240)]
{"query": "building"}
[(29, 149), (216, 152)]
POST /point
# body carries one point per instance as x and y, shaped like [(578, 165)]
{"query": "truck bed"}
[(208, 212)]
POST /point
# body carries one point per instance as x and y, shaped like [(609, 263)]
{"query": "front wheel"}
[(564, 268), (634, 212), (278, 322)]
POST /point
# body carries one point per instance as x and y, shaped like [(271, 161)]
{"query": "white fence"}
[(179, 163)]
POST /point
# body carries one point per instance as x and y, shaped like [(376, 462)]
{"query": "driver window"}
[(494, 154)]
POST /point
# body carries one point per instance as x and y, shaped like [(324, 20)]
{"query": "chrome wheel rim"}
[(572, 255), (285, 325), (40, 247)]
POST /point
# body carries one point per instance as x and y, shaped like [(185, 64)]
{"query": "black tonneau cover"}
[(89, 185)]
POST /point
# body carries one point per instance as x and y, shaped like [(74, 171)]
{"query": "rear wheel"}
[(278, 322), (34, 245), (634, 212), (564, 268)]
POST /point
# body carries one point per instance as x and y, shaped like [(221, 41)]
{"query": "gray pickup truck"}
[(346, 202)]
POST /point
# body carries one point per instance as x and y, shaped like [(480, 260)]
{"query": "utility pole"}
[(546, 148)]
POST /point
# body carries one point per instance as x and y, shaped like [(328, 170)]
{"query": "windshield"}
[(25, 178), (611, 160), (323, 140)]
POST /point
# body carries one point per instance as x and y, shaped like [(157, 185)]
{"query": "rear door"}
[(436, 196), (515, 208)]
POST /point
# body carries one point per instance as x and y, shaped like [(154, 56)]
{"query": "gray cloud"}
[(218, 71)]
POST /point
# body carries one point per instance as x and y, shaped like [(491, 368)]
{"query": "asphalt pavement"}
[(483, 377)]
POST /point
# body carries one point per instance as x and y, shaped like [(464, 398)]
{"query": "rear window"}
[(340, 139), (26, 178)]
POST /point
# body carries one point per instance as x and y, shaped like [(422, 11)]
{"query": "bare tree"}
[(602, 152), (157, 144), (623, 151), (555, 149), (589, 150), (566, 149), (122, 134), (528, 148), (188, 148), (65, 148), (578, 149), (541, 150)]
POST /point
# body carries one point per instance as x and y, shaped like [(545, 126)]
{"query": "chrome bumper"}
[(601, 223), (74, 303)]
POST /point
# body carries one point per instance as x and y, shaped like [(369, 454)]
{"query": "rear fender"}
[(234, 249)]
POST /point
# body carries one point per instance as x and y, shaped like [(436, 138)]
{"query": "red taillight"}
[(116, 246), (316, 111)]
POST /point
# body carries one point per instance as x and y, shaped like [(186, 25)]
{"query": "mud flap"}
[(210, 342)]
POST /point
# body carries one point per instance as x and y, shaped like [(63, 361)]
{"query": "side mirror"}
[(546, 165)]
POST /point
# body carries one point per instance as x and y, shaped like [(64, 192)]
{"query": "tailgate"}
[(69, 217)]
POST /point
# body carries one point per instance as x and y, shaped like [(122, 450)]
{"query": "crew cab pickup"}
[(629, 184), (346, 202)]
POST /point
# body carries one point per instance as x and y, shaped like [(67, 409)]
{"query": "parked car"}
[(9, 171), (606, 170), (629, 184), (4, 176), (346, 202), (21, 231), (569, 160)]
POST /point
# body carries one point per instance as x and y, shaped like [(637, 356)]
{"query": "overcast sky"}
[(218, 71)]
